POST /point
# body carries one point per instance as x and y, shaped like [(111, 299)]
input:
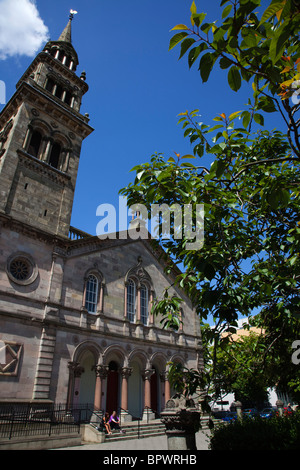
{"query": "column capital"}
[(75, 368), (126, 372), (147, 373), (101, 371)]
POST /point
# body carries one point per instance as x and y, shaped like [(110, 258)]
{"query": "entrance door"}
[(112, 393)]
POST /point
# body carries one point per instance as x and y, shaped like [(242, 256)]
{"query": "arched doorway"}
[(112, 394), (135, 391), (84, 384)]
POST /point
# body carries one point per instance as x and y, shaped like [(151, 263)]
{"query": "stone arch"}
[(82, 377), (138, 355), (62, 139), (159, 359), (177, 358), (40, 125), (114, 352), (88, 345)]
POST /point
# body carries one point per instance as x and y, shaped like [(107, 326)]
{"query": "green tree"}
[(250, 257)]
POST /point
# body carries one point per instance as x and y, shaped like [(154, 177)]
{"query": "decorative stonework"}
[(10, 355), (21, 269), (139, 274), (182, 421)]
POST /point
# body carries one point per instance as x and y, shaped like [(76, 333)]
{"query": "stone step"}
[(133, 430), (124, 437), (154, 428)]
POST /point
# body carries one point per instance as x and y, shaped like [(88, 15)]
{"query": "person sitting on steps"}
[(106, 423), (114, 422)]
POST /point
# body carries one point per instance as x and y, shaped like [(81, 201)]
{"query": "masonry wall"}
[(48, 326)]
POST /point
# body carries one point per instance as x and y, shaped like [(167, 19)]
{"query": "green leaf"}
[(271, 11), (179, 26), (193, 8), (259, 119), (176, 39), (225, 63), (198, 18), (206, 64), (234, 78), (226, 11), (279, 41), (234, 115), (194, 53), (185, 45)]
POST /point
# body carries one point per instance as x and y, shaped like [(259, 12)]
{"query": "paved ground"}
[(151, 443)]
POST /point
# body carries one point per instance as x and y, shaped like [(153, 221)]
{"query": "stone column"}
[(101, 374), (166, 388), (148, 414), (182, 421), (125, 373)]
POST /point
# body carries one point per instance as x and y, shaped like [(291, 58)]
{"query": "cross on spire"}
[(72, 13)]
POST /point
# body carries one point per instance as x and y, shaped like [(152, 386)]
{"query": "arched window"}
[(139, 294), (35, 143), (131, 292), (144, 304), (54, 155), (50, 85), (59, 91), (137, 308), (68, 98), (67, 62), (91, 294)]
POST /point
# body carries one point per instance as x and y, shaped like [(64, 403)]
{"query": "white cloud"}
[(22, 31)]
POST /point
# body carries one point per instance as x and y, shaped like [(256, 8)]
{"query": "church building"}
[(75, 310)]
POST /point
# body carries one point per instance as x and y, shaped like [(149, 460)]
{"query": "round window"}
[(21, 269)]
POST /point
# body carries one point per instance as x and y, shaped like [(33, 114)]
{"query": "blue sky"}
[(137, 87)]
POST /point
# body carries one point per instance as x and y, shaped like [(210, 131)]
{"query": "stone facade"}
[(58, 343)]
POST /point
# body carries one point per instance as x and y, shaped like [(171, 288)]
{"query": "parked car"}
[(230, 416), (251, 412), (267, 413), (219, 414)]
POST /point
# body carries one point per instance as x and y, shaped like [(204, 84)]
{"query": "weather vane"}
[(72, 13)]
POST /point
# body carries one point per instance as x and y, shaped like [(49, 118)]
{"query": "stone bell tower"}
[(41, 134)]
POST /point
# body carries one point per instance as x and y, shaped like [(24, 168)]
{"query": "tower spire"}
[(66, 35)]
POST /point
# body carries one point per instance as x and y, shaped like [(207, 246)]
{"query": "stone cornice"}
[(34, 93), (45, 57), (43, 168)]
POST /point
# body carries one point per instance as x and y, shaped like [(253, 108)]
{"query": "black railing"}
[(149, 412), (41, 419)]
